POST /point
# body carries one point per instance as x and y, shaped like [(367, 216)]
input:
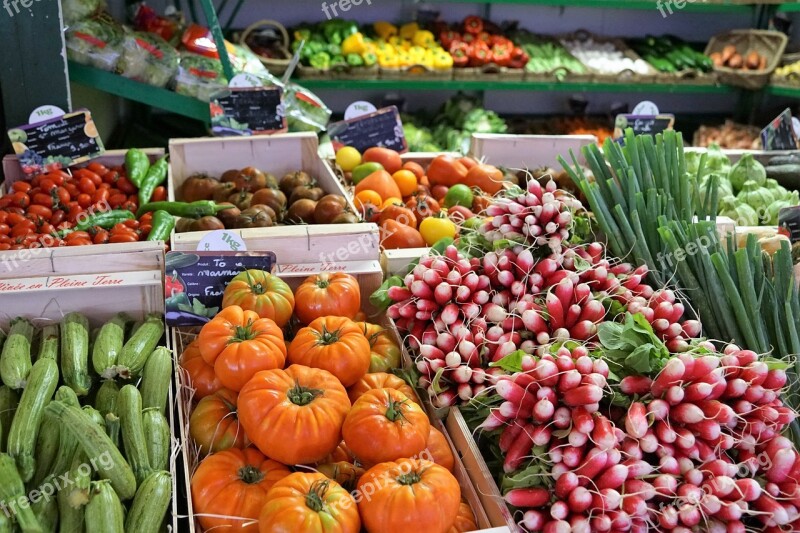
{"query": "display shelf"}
[(727, 6), (139, 92), (791, 92), (492, 85), (789, 7)]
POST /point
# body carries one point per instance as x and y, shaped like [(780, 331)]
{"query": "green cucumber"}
[(108, 346), (156, 378), (12, 494), (15, 360), (104, 511), (48, 343), (9, 399), (157, 438), (150, 504), (134, 354), (105, 400), (94, 441), (24, 431), (75, 353), (130, 417)]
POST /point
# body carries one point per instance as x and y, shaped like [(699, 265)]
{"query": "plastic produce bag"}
[(148, 58), (95, 42), (199, 76), (76, 10), (304, 110)]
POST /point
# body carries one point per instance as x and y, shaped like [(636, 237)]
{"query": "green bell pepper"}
[(355, 60), (320, 60)]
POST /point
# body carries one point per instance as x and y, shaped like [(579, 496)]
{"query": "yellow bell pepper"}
[(388, 61), (404, 60), (396, 41), (407, 31), (416, 52), (354, 44), (384, 29), (424, 39), (442, 61)]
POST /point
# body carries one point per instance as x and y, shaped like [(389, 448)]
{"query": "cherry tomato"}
[(46, 229), (21, 230), (87, 186), (15, 218), (42, 199), (77, 235), (5, 201), (4, 229), (20, 199), (112, 176), (3, 217), (125, 185), (58, 217), (74, 211), (117, 200), (100, 196), (58, 177), (79, 242), (41, 211), (21, 186), (93, 176), (132, 223), (97, 168), (72, 189), (130, 206), (124, 237), (144, 229), (4, 246), (63, 196), (101, 236), (84, 200), (159, 194), (106, 186), (47, 185)]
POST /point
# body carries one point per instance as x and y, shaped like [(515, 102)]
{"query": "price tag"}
[(642, 124), (358, 109), (45, 112), (222, 241), (245, 80), (789, 222), (248, 111), (779, 134), (645, 107), (57, 142), (382, 128), (195, 281)]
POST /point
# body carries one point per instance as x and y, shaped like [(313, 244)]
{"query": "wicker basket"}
[(275, 66), (688, 76), (419, 72), (767, 43), (792, 80)]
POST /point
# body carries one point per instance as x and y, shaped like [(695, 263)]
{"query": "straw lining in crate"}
[(369, 279), (770, 44)]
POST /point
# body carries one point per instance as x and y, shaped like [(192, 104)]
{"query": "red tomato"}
[(42, 199), (4, 229), (388, 159), (21, 186), (117, 200), (100, 196), (87, 186), (58, 217), (97, 168), (72, 189), (125, 185), (124, 237), (63, 196), (20, 199), (159, 194), (79, 242), (101, 236), (84, 200)]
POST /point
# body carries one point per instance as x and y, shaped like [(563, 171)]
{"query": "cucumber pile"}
[(84, 440)]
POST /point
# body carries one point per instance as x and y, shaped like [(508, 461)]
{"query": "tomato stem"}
[(395, 410), (243, 333), (409, 479), (256, 287), (315, 497), (327, 337), (323, 283), (302, 395), (250, 474)]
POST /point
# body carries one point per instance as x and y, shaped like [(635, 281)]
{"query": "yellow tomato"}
[(348, 158), (391, 201), (406, 181), (367, 197), (434, 229)]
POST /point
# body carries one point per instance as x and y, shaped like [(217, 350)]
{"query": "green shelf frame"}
[(697, 6), (139, 92), (788, 7), (539, 86), (790, 92)]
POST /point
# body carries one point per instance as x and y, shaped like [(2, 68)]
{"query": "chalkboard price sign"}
[(195, 281), (789, 222), (382, 128), (643, 124), (248, 111), (56, 143), (779, 134)]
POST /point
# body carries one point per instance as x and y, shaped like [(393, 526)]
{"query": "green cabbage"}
[(747, 168)]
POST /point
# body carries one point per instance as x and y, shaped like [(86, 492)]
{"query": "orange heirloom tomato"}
[(335, 344), (259, 291), (381, 380), (488, 178), (233, 483), (239, 343), (384, 351), (465, 520), (385, 425), (439, 449), (309, 503), (294, 416), (341, 454), (445, 170), (214, 424), (395, 235), (409, 495), (400, 213), (344, 473), (325, 294)]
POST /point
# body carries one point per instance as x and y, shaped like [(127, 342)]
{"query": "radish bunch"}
[(540, 216)]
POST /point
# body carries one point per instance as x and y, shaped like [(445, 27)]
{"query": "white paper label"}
[(359, 108), (222, 241), (645, 107), (245, 80), (45, 112)]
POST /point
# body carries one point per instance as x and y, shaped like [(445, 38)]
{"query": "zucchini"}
[(67, 443), (15, 360), (47, 447), (48, 343), (130, 417), (9, 399), (150, 504), (134, 327), (104, 511), (139, 347), (156, 379), (108, 346), (12, 491), (46, 510), (6, 524), (112, 428), (105, 400), (70, 516), (95, 415), (782, 173), (157, 438), (80, 475), (75, 353), (94, 441), (27, 420), (780, 160)]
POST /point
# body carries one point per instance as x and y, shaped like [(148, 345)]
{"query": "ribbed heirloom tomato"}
[(214, 424), (465, 520), (385, 425), (201, 375), (439, 449), (335, 344), (295, 415), (380, 380), (233, 483), (409, 495), (260, 291), (326, 294), (239, 343), (344, 473), (309, 503), (384, 351)]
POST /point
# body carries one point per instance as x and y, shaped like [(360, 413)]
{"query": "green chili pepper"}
[(198, 209), (136, 165), (155, 177), (105, 219), (163, 224)]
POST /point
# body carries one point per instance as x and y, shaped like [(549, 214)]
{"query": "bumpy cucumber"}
[(134, 354), (15, 359), (75, 353), (49, 342), (130, 415), (108, 346), (156, 378), (104, 512), (150, 504), (157, 438)]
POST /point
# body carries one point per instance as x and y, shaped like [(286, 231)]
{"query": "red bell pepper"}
[(473, 24), (483, 36), (499, 39), (461, 54), (501, 54), (468, 38), (481, 54), (447, 37), (519, 58)]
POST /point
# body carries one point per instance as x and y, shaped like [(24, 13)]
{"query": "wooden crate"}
[(368, 276), (527, 151), (87, 279)]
